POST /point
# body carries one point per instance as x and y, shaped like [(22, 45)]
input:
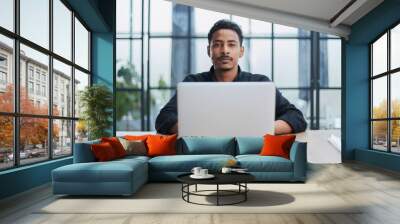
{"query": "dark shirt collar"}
[(213, 78)]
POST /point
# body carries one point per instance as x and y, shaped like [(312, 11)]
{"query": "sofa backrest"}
[(249, 145), (206, 145), (83, 152)]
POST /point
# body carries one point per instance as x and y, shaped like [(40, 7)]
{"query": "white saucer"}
[(208, 176)]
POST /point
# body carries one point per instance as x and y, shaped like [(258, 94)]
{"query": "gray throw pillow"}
[(134, 147)]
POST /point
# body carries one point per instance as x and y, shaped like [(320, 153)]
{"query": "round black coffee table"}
[(238, 179)]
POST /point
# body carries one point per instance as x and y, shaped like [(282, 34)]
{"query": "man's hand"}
[(282, 127), (174, 129)]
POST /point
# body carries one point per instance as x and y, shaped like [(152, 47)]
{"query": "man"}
[(225, 48)]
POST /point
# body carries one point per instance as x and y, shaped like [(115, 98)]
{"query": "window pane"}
[(34, 96), (7, 14), (201, 62), (129, 62), (6, 74), (379, 135), (203, 20), (160, 17), (292, 63), (301, 99), (62, 138), (395, 95), (128, 104), (379, 55), (287, 31), (244, 24), (244, 62), (260, 54), (157, 101), (81, 81), (395, 136), (395, 47), (6, 142), (330, 63), (33, 139), (180, 61), (81, 45), (260, 28), (62, 89), (62, 29), (129, 18), (330, 109), (181, 20), (81, 131), (379, 97), (160, 62), (35, 21)]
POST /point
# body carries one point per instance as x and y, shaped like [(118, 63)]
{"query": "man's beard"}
[(222, 66)]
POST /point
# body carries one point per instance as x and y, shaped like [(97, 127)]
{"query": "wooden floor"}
[(378, 188)]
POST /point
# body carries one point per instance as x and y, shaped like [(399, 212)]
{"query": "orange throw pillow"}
[(136, 137), (103, 151), (277, 145), (161, 145), (116, 145)]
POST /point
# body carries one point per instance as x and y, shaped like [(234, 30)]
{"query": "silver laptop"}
[(226, 108)]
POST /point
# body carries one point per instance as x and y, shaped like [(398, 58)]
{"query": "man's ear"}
[(241, 52), (208, 50)]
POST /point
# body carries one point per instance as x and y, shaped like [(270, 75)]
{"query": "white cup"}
[(226, 170), (196, 170), (203, 172)]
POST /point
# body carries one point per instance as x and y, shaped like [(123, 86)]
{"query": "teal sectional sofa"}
[(125, 176)]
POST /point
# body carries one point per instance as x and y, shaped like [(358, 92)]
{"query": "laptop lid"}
[(226, 108)]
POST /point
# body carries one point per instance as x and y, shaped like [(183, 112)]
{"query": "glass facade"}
[(384, 92), (157, 49), (38, 124)]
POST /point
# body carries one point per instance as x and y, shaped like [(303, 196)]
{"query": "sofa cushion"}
[(207, 145), (249, 145), (277, 145), (111, 171), (136, 137), (116, 145), (161, 145), (257, 163), (134, 147), (132, 158), (185, 163), (103, 151)]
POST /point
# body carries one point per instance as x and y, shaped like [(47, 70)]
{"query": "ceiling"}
[(327, 16), (98, 15)]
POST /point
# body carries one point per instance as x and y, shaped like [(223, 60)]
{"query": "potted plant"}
[(96, 104)]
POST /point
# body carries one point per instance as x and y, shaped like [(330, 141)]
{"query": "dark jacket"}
[(284, 110)]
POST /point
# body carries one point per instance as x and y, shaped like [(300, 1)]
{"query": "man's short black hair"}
[(225, 24)]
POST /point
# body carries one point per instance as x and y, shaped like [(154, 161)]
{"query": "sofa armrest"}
[(298, 155), (83, 152)]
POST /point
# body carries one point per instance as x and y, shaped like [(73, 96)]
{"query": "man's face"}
[(225, 50)]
